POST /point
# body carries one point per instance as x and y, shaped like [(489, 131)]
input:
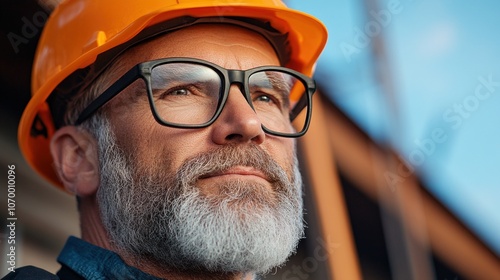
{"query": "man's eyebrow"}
[(276, 81), (280, 82)]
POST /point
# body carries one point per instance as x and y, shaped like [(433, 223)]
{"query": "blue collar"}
[(92, 262)]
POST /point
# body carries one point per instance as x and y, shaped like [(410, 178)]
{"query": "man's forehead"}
[(207, 41)]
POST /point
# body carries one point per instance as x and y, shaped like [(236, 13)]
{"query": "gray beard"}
[(163, 217)]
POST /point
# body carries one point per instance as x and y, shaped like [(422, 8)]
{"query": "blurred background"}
[(402, 162)]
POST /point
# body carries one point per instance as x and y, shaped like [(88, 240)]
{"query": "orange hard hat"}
[(78, 31)]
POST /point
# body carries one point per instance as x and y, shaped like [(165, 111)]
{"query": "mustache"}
[(223, 158)]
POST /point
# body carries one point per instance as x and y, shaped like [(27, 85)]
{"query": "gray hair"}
[(83, 98)]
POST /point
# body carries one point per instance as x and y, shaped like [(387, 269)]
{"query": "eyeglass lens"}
[(190, 94)]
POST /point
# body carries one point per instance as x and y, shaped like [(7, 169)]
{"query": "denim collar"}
[(92, 262)]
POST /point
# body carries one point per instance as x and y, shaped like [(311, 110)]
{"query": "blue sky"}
[(444, 69)]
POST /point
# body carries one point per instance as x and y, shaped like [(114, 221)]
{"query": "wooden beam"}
[(427, 220), (328, 198)]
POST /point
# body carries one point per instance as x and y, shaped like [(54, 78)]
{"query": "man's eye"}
[(180, 91), (264, 98), (269, 98), (173, 92)]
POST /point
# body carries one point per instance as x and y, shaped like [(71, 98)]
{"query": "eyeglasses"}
[(191, 93)]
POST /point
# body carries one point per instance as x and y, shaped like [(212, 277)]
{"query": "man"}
[(171, 122)]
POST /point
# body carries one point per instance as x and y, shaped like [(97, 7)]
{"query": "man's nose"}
[(238, 122)]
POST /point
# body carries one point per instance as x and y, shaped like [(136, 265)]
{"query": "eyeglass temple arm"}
[(109, 93), (302, 103)]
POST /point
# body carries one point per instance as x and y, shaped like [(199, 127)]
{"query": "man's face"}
[(226, 46), (222, 198)]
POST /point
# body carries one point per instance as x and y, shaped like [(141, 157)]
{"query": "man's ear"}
[(74, 152)]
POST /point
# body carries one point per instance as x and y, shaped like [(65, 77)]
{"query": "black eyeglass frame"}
[(228, 77)]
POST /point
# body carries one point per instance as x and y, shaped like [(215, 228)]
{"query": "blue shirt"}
[(93, 262)]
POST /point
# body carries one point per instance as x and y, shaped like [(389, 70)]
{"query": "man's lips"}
[(238, 171)]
